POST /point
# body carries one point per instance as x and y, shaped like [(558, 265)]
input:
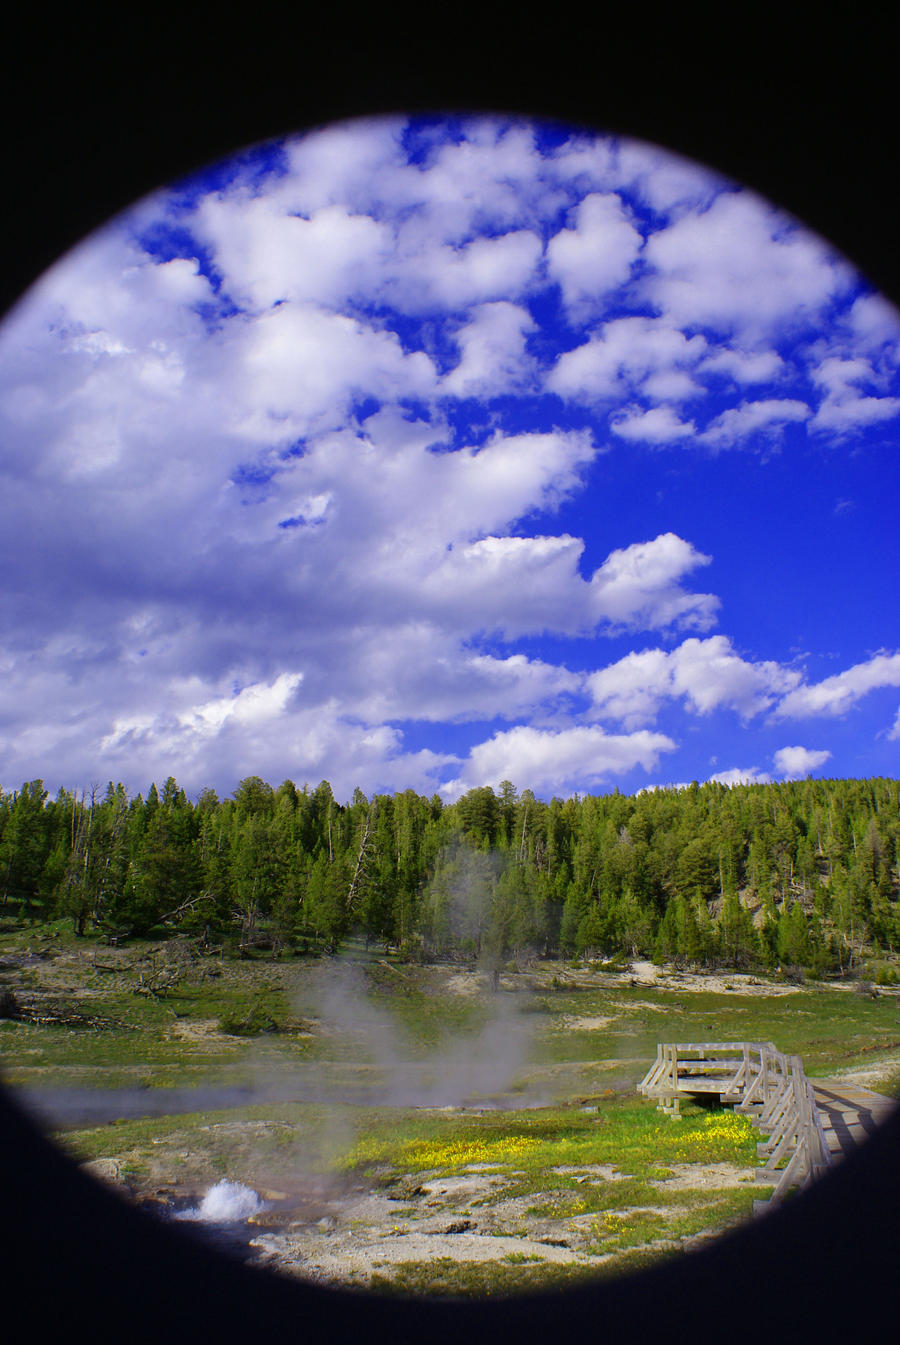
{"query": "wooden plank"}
[(762, 1083)]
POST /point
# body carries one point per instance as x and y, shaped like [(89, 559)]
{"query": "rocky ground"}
[(389, 1227), (468, 1218), (360, 1233)]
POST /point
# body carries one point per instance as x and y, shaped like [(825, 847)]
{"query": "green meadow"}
[(563, 1164)]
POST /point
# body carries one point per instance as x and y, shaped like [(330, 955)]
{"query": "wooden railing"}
[(760, 1082)]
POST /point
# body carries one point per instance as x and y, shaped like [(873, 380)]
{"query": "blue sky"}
[(430, 454)]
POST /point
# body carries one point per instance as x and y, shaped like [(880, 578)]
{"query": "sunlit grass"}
[(628, 1134)]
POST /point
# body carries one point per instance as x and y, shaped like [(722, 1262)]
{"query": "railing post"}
[(774, 1092)]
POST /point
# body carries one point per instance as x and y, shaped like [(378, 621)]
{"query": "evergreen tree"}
[(24, 848)]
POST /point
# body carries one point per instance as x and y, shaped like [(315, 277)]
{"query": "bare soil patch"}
[(703, 1177), (204, 1030), (738, 983), (464, 983), (880, 1077), (595, 1023)]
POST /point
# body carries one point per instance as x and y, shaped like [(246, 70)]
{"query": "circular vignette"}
[(83, 1255)]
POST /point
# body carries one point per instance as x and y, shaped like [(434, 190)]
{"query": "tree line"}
[(797, 874)]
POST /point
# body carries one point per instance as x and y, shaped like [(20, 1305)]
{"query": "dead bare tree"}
[(361, 858)]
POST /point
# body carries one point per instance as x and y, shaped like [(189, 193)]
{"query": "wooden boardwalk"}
[(808, 1126), (850, 1114)]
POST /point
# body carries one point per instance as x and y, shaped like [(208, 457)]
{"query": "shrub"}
[(252, 1024)]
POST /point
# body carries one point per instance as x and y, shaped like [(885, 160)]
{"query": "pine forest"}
[(800, 875)]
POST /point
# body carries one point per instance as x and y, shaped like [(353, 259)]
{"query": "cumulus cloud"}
[(853, 413), (797, 762), (306, 745), (665, 181), (457, 277), (874, 321), (553, 759), (625, 355), (741, 423), (489, 179), (297, 369), (744, 366), (844, 407), (522, 584), (707, 674), (838, 694), (511, 584), (493, 358), (641, 586), (313, 450), (738, 775), (740, 266), (256, 704), (659, 425), (596, 255), (267, 253)]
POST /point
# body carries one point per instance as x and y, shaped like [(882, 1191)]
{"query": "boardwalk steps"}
[(760, 1082)]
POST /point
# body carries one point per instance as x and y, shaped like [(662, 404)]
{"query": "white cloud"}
[(741, 776), (515, 585), (351, 163), (633, 689), (453, 497), (874, 321), (493, 360), (706, 673), (424, 675), (838, 694), (660, 425), (740, 266), (455, 278), (490, 180), (269, 535), (596, 255), (757, 366), (854, 412), (750, 418), (798, 762), (532, 584), (839, 377), (627, 353), (299, 742), (267, 254), (671, 385), (297, 368), (894, 731), (665, 181), (255, 704), (640, 586), (550, 759), (844, 408), (709, 674)]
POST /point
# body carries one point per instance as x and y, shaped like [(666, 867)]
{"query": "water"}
[(221, 1220), (225, 1203), (70, 1108), (65, 1108)]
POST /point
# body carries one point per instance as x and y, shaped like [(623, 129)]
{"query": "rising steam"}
[(224, 1203)]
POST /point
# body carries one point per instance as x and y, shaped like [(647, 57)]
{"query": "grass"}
[(444, 1277), (593, 1162), (829, 1028), (627, 1134)]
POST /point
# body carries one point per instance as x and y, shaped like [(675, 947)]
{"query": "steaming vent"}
[(225, 1203)]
